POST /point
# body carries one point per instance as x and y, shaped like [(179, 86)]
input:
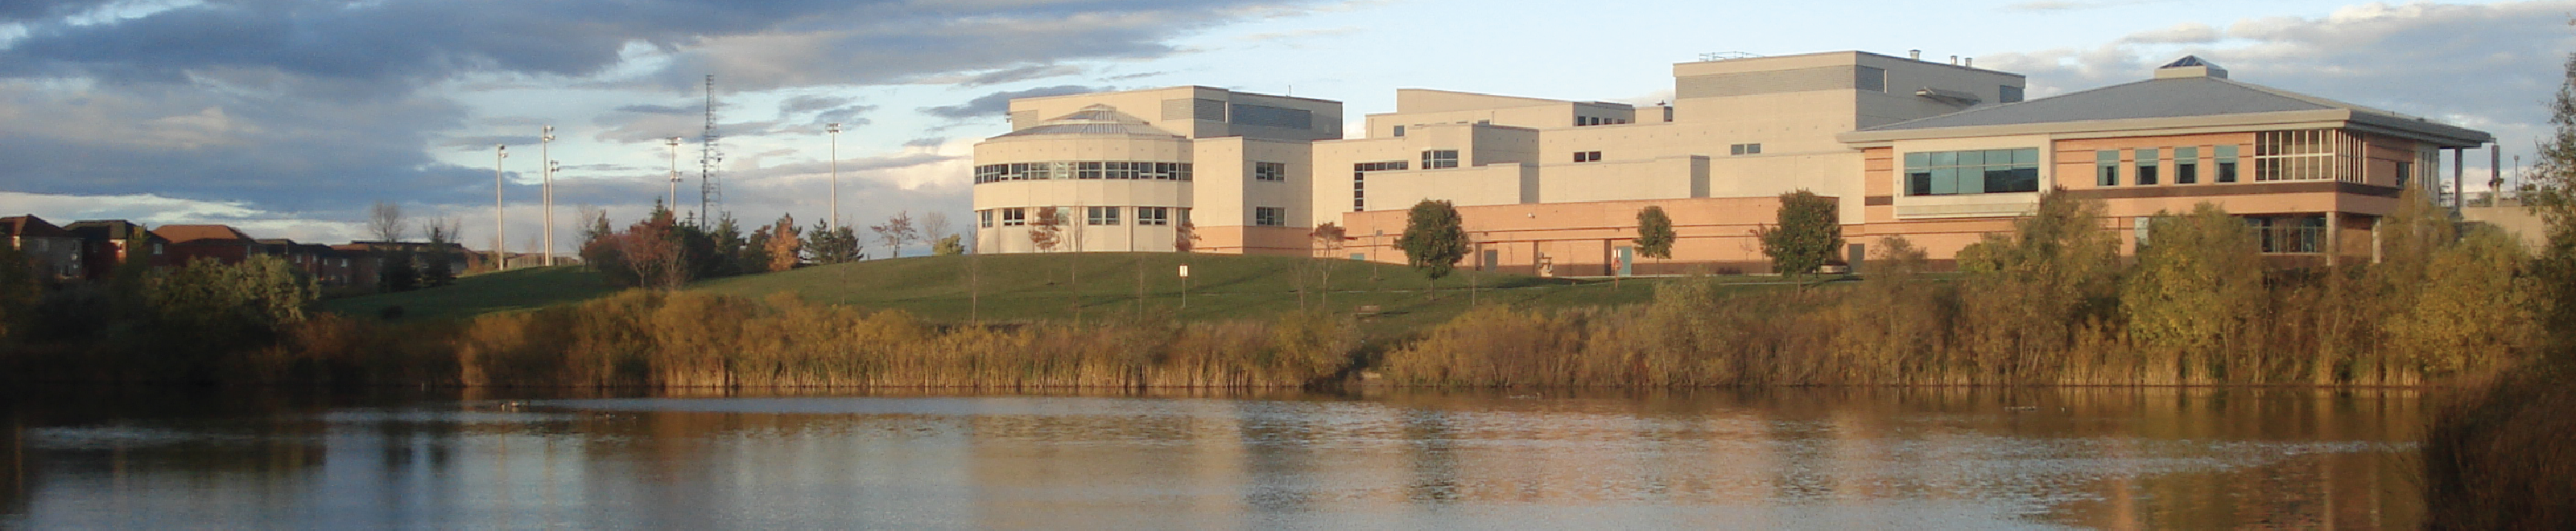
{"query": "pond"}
[(1374, 459)]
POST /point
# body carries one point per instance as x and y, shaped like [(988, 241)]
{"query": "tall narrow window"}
[(2187, 165), (984, 218), (2224, 158), (2106, 167), (1439, 158), (2147, 166), (2404, 170)]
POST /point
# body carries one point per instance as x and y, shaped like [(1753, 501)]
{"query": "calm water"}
[(1842, 459)]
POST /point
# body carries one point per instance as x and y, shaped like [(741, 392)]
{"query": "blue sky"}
[(289, 117)]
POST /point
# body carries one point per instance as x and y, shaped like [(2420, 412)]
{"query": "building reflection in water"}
[(1868, 458)]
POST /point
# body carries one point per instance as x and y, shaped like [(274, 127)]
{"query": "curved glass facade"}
[(1086, 169)]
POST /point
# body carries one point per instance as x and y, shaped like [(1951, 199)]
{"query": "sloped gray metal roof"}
[(1092, 120), (2153, 98)]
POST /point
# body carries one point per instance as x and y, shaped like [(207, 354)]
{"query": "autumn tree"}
[(1806, 235), (1185, 236), (2196, 288), (896, 232), (785, 246), (1047, 230)]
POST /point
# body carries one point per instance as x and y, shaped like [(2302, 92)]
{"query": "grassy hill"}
[(1043, 286)]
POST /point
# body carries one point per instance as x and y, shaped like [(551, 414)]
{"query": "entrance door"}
[(1490, 260), (1627, 260)]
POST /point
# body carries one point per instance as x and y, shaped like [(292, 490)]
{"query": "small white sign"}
[(1185, 271)]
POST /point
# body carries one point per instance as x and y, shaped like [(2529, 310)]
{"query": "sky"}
[(290, 118)]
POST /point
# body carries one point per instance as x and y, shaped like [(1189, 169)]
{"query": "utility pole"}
[(674, 142), (500, 243), (835, 128), (710, 186), (545, 150)]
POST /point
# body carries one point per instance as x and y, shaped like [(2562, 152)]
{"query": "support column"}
[(2459, 173), (2334, 238)]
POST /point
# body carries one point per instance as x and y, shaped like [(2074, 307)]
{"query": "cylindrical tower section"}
[(1114, 182)]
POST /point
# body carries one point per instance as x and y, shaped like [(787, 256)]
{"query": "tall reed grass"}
[(689, 340)]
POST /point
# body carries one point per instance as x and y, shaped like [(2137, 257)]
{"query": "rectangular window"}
[(1270, 216), (1744, 149), (2289, 234), (2106, 165), (1153, 215), (2306, 155), (1872, 79), (1989, 171), (1185, 214), (1013, 217), (984, 218), (1439, 158), (1270, 171), (1087, 170), (1119, 170), (1102, 216), (2008, 94), (2147, 166), (2225, 158), (1587, 156), (1399, 130), (2187, 165)]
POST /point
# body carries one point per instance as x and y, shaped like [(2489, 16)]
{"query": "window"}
[(1359, 181), (2306, 155), (1118, 170), (1270, 171), (1160, 171), (2147, 166), (1087, 170), (1991, 171), (2106, 165), (1185, 214), (1744, 149), (1587, 156), (1102, 216), (1273, 117), (1013, 217), (1153, 215), (2187, 165), (1871, 79), (2226, 161), (1037, 171), (1270, 216), (2008, 94), (1439, 158), (1399, 130), (2289, 234), (2404, 170)]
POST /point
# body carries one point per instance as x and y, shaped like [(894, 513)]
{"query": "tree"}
[(1806, 237), (895, 232), (833, 245), (785, 247), (934, 226), (2552, 194), (1654, 233), (1047, 230), (1328, 238), (19, 290), (728, 250), (439, 267), (950, 245), (1185, 236), (1433, 239), (385, 221), (2197, 285)]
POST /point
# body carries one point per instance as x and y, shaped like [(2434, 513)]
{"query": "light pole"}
[(500, 251), (545, 151), (835, 128), (674, 142)]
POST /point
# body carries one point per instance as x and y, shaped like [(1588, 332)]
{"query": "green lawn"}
[(1042, 286)]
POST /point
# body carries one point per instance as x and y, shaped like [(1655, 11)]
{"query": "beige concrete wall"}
[(1499, 184), (2516, 220), (1150, 105), (1673, 177), (1419, 107)]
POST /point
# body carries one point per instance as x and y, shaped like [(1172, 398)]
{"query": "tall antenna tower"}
[(710, 185)]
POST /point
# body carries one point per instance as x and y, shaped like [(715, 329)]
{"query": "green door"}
[(1627, 260)]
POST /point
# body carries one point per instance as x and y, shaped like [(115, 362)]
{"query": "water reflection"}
[(1839, 458)]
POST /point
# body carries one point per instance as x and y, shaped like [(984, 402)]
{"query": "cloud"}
[(2184, 33), (658, 109), (997, 103), (809, 103), (2053, 6), (1006, 75)]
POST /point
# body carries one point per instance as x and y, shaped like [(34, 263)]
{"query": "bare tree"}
[(385, 220), (934, 225), (896, 232)]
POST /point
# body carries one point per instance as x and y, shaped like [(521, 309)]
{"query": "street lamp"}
[(674, 142), (835, 128), (545, 151), (500, 252)]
